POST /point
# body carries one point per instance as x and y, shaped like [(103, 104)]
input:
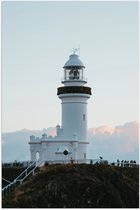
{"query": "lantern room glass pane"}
[(74, 74)]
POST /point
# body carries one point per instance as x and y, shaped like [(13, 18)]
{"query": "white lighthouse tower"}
[(74, 96), (71, 139)]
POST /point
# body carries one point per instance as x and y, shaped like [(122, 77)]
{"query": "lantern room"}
[(74, 69)]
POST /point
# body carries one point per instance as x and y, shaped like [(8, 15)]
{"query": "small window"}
[(84, 117), (84, 155), (37, 155)]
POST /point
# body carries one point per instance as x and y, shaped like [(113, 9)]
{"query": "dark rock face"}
[(78, 186)]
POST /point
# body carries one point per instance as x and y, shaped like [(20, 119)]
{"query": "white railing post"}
[(26, 173)]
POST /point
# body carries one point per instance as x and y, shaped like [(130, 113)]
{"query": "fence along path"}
[(29, 170)]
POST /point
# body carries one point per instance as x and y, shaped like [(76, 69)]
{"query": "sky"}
[(37, 39)]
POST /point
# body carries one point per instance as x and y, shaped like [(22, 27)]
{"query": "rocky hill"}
[(78, 186)]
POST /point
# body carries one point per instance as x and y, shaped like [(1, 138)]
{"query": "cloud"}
[(109, 142), (51, 132), (101, 130), (112, 143)]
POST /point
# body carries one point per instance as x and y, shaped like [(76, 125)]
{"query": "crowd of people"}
[(122, 163), (126, 163)]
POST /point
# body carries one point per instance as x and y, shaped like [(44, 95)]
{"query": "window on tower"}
[(84, 117), (84, 155)]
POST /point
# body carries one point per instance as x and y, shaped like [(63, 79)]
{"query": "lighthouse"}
[(70, 141), (74, 96)]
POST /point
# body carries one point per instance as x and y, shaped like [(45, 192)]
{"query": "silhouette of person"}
[(71, 160)]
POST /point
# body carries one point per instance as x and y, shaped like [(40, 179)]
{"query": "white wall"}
[(48, 150), (74, 115)]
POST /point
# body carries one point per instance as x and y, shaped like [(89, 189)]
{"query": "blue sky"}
[(37, 38)]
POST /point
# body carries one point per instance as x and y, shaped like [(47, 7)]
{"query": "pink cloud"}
[(129, 129), (101, 130), (52, 132), (121, 140)]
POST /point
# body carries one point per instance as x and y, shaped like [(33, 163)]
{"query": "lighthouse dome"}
[(74, 61)]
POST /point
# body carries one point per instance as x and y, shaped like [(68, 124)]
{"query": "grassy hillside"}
[(73, 186)]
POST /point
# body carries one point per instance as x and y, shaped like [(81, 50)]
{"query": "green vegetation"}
[(78, 186)]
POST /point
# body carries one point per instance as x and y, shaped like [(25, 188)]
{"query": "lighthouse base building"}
[(57, 148), (70, 141)]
